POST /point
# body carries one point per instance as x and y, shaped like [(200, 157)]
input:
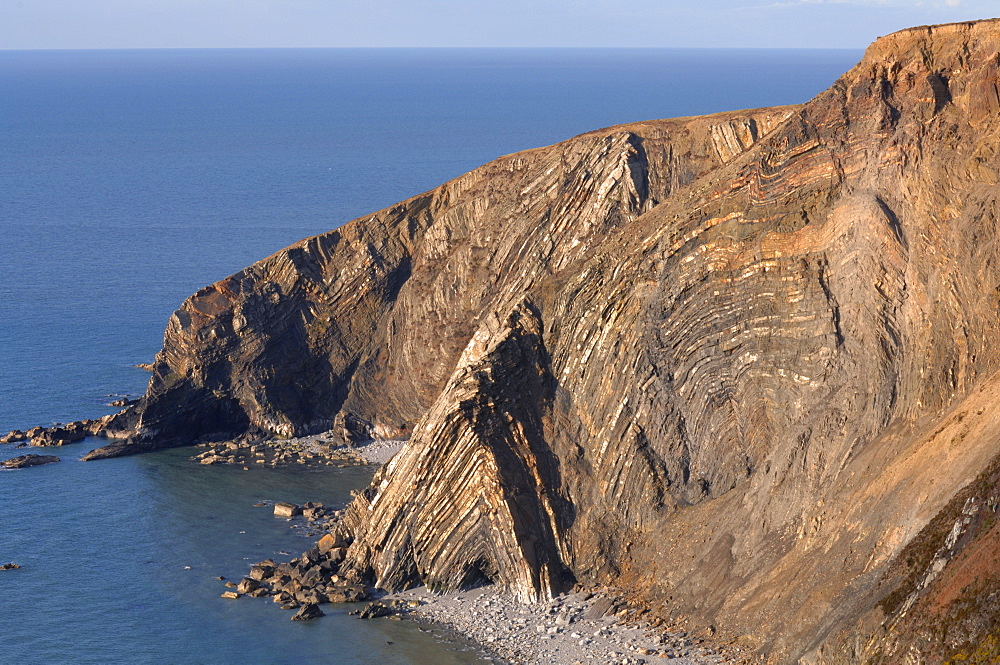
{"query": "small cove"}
[(120, 558)]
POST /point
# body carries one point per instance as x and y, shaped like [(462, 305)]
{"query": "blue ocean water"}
[(129, 179)]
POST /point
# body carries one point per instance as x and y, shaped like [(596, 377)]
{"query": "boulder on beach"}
[(29, 460), (331, 541)]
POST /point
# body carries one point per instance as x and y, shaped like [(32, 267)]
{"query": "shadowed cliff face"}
[(735, 362)]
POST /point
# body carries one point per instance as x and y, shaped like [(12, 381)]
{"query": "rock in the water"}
[(29, 460), (376, 610), (248, 585), (230, 594), (283, 509), (307, 612), (261, 571), (60, 436), (13, 437), (10, 566)]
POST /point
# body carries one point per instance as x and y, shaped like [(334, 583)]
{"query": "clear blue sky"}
[(32, 24)]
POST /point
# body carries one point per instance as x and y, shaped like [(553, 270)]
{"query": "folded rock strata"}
[(740, 363)]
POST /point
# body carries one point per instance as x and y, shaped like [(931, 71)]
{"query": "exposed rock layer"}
[(737, 361)]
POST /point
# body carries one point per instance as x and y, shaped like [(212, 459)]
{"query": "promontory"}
[(743, 365)]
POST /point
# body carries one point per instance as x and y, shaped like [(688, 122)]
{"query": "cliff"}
[(743, 364)]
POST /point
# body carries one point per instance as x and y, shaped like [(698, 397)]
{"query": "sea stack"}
[(743, 365)]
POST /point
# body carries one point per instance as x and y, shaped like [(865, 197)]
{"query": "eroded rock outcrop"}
[(737, 362), (24, 461)]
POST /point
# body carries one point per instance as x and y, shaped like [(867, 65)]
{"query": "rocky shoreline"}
[(59, 434), (584, 627), (324, 449), (595, 625), (587, 626)]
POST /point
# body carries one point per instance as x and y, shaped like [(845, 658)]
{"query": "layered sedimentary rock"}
[(744, 364)]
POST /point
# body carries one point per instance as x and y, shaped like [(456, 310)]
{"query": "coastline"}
[(572, 629)]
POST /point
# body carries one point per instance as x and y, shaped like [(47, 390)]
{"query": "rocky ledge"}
[(108, 427), (28, 460)]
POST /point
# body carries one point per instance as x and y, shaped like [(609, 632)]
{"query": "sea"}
[(130, 179)]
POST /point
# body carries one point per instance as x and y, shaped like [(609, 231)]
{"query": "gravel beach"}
[(569, 630)]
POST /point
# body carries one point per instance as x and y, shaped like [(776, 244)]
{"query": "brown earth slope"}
[(743, 363)]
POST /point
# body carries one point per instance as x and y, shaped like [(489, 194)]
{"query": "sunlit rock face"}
[(743, 364)]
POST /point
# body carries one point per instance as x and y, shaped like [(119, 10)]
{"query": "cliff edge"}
[(743, 364)]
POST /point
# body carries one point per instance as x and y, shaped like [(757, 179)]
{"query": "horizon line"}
[(442, 48)]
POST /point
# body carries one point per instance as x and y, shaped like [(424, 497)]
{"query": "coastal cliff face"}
[(743, 364)]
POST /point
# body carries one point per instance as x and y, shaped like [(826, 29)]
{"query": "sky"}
[(88, 24)]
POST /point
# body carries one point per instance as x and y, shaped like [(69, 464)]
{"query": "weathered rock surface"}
[(14, 436), (307, 612), (743, 363), (284, 509), (23, 461), (111, 426)]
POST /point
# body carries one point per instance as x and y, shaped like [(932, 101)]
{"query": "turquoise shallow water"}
[(130, 179)]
